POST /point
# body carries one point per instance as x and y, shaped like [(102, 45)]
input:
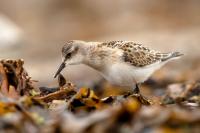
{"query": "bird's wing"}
[(136, 54)]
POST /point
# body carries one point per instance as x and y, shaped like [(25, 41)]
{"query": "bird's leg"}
[(140, 97), (136, 89)]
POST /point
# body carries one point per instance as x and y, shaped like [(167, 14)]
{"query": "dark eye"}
[(68, 55)]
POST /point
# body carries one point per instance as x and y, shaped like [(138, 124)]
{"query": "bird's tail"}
[(172, 55), (176, 54)]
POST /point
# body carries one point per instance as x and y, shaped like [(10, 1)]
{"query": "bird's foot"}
[(143, 100), (136, 94)]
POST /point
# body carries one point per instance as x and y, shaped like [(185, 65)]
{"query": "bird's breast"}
[(119, 74)]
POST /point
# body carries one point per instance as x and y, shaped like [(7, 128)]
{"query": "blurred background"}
[(35, 31)]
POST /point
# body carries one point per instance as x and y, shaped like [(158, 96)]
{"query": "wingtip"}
[(173, 55), (177, 54)]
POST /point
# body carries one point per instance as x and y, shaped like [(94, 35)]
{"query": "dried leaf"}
[(66, 93), (61, 80), (3, 80)]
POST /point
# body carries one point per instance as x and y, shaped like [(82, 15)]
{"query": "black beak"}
[(62, 66)]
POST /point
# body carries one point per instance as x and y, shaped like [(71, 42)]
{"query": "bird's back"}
[(139, 55)]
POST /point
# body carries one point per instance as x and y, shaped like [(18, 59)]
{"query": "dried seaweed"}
[(66, 108)]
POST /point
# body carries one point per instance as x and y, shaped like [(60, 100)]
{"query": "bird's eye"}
[(68, 55)]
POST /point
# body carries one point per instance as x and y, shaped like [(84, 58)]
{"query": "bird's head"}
[(71, 54)]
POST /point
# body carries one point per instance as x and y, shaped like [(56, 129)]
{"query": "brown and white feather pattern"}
[(136, 54)]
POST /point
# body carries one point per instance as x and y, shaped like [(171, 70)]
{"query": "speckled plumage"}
[(137, 54), (123, 63)]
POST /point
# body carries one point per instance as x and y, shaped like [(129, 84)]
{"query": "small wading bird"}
[(122, 63)]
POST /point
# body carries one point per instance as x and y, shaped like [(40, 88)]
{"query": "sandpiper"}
[(123, 63)]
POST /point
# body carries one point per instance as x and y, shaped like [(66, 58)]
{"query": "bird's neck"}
[(99, 58), (90, 54)]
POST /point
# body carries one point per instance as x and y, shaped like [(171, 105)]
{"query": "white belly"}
[(119, 74), (126, 75)]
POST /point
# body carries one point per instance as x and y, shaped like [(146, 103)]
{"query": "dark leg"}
[(140, 97), (136, 89)]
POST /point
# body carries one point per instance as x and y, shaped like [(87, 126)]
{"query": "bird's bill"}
[(62, 66)]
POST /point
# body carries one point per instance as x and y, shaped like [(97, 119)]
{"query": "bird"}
[(122, 63)]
